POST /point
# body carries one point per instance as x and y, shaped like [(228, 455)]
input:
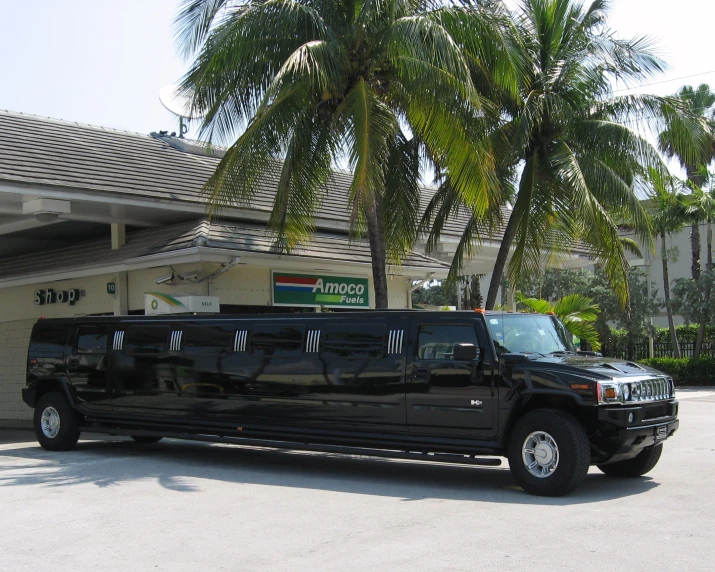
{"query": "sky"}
[(103, 62)]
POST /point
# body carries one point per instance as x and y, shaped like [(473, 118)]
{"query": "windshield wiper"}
[(562, 353)]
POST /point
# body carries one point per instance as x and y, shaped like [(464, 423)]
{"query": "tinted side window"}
[(209, 339), (92, 340), (437, 341), (48, 338), (146, 339), (354, 341), (277, 340)]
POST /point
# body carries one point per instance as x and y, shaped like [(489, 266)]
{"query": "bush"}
[(686, 333), (686, 371)]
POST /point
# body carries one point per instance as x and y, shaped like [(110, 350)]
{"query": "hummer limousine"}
[(460, 387)]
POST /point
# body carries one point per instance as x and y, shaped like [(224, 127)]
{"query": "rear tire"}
[(638, 466), (146, 439), (549, 453), (56, 424)]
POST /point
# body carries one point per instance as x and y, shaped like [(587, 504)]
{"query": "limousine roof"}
[(288, 316)]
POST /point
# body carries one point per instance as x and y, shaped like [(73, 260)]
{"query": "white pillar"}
[(121, 292)]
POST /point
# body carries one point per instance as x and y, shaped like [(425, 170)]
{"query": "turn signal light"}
[(610, 393), (578, 386)]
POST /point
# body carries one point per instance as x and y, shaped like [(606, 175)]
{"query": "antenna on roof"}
[(179, 103)]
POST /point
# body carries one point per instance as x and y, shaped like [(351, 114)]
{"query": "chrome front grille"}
[(651, 389)]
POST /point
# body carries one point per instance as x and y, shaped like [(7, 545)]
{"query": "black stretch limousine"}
[(439, 386)]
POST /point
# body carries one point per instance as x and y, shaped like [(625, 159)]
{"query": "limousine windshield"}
[(529, 333)]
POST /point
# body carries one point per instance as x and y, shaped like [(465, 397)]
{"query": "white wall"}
[(19, 303), (678, 268)]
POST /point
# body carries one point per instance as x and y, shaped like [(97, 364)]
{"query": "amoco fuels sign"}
[(311, 290)]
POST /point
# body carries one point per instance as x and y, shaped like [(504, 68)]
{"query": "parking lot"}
[(175, 505)]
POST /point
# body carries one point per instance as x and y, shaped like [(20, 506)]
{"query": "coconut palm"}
[(577, 312), (311, 82), (700, 206), (669, 214), (700, 102), (578, 146)]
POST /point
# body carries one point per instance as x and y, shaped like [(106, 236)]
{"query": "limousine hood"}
[(576, 365)]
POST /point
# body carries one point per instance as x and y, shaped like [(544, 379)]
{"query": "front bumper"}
[(630, 429)]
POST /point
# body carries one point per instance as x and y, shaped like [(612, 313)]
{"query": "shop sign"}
[(291, 289), (49, 296)]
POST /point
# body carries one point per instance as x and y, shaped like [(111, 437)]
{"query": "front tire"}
[(549, 453), (638, 466), (56, 423)]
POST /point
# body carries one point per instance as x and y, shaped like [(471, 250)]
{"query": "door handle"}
[(72, 363), (421, 374)]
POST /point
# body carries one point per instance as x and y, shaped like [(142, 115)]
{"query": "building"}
[(93, 219), (679, 265)]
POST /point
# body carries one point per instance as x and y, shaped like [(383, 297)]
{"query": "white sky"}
[(103, 62)]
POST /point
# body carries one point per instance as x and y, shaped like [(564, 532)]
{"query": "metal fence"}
[(660, 349)]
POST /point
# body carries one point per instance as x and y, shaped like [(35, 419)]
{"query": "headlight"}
[(626, 391), (636, 390), (609, 392)]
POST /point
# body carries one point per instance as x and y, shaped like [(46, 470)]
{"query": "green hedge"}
[(686, 371)]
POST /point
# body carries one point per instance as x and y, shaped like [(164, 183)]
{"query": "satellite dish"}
[(179, 103)]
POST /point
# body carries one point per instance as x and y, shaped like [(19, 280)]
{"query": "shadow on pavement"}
[(187, 466)]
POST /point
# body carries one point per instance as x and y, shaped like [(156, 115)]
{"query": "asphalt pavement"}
[(113, 505)]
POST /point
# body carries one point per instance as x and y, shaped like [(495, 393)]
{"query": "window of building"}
[(208, 339), (92, 340), (353, 341), (436, 342), (147, 339), (277, 340)]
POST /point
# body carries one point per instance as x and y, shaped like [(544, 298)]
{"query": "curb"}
[(12, 425)]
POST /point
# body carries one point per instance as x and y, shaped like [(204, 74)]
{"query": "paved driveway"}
[(182, 506)]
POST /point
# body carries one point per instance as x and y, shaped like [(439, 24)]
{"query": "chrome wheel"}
[(540, 454), (50, 422)]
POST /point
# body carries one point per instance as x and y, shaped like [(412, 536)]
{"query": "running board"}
[(452, 458)]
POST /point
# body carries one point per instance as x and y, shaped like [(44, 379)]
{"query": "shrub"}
[(686, 371)]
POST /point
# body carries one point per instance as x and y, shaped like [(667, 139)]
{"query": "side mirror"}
[(466, 352)]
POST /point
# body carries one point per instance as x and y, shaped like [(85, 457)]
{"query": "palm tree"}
[(700, 102), (577, 145), (700, 206), (577, 312), (312, 82), (669, 215)]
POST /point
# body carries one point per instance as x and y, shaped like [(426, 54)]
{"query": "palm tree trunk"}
[(500, 263), (709, 264), (376, 237), (696, 179), (695, 247), (666, 293)]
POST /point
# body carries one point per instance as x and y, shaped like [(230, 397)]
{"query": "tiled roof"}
[(228, 236), (43, 151), (56, 153)]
